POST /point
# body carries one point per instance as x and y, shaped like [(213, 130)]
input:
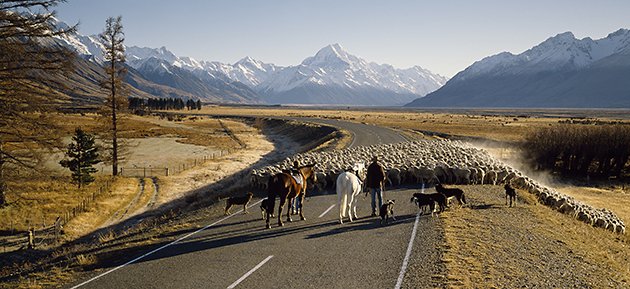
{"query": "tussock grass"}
[(106, 236), (86, 260), (42, 199), (479, 243), (123, 191)]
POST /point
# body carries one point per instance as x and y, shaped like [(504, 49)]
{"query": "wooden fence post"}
[(30, 238)]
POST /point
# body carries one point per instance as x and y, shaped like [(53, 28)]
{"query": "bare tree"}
[(114, 55), (31, 64)]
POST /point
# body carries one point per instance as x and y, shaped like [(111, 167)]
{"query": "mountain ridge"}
[(560, 72)]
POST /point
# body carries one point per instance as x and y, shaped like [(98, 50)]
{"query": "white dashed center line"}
[(250, 272), (327, 210)]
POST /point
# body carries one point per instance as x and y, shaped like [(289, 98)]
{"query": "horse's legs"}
[(289, 209), (341, 206), (301, 206), (271, 203), (348, 207), (280, 207)]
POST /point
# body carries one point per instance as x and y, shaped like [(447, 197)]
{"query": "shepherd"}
[(374, 181)]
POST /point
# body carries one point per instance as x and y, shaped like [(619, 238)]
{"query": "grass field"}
[(36, 200)]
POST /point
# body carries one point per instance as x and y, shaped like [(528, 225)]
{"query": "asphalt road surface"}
[(238, 252)]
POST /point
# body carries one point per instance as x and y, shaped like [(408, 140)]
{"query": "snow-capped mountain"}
[(249, 71), (334, 76), (331, 76), (562, 71), (195, 82)]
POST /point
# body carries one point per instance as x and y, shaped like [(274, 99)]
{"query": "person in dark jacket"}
[(374, 181)]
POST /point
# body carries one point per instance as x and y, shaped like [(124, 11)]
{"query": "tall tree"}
[(114, 55), (82, 156), (31, 63)]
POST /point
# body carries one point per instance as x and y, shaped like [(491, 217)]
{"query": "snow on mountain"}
[(562, 51), (562, 71), (330, 72), (332, 66), (249, 71)]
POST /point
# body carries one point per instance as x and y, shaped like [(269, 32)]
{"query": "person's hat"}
[(375, 158)]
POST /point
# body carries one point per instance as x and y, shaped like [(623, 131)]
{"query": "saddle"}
[(297, 177)]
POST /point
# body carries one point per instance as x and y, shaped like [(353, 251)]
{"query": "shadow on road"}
[(215, 238), (365, 224)]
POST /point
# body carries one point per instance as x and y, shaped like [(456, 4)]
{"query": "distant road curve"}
[(363, 134)]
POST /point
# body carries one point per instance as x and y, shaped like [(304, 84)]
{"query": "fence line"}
[(51, 234), (147, 172)]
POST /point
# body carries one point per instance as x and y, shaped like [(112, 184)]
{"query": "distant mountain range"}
[(561, 72), (331, 77)]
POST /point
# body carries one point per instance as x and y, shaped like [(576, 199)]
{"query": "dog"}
[(451, 193), (387, 211), (510, 193), (263, 208), (244, 200), (424, 200)]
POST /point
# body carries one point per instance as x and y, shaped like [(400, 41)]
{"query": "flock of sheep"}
[(443, 161)]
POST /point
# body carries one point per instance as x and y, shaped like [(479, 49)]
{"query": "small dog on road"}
[(424, 200), (387, 211), (451, 193), (263, 209), (232, 201)]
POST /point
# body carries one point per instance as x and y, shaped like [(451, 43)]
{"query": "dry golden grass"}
[(39, 200), (122, 192), (86, 259), (492, 124), (42, 200), (477, 238)]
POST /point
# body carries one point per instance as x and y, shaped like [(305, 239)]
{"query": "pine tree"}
[(82, 156), (29, 66), (114, 55)]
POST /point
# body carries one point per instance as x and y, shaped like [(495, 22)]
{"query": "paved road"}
[(363, 134), (238, 252)]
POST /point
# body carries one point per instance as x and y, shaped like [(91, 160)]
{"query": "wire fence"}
[(148, 172), (40, 234), (47, 234)]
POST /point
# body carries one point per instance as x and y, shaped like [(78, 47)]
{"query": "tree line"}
[(137, 104), (582, 150)]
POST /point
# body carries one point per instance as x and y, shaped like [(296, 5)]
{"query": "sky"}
[(443, 36)]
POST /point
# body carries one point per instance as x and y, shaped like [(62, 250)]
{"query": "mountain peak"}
[(332, 50), (332, 54), (245, 60)]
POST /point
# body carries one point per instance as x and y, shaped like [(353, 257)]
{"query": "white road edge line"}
[(327, 210), (163, 247), (405, 263), (249, 272)]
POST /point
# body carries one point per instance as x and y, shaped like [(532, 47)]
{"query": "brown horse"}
[(284, 186)]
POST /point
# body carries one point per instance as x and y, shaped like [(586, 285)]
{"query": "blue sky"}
[(442, 36)]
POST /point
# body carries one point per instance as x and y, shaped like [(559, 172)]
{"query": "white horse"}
[(349, 186)]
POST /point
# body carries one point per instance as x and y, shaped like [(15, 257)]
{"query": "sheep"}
[(442, 161)]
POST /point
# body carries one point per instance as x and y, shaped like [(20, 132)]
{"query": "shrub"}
[(580, 150)]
